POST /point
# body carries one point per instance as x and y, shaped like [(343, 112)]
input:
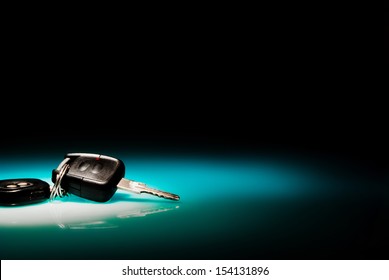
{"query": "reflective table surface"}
[(238, 206)]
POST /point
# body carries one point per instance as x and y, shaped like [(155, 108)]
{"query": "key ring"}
[(57, 190)]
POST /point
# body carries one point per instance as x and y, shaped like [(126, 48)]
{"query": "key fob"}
[(23, 191), (91, 176), (97, 177)]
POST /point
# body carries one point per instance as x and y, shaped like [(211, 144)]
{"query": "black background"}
[(232, 88), (217, 83)]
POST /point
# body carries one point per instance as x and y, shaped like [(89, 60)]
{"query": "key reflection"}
[(103, 224), (69, 214)]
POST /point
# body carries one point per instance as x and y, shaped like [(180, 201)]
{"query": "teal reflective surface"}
[(233, 207)]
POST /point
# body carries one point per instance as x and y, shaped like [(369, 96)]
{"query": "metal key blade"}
[(138, 187)]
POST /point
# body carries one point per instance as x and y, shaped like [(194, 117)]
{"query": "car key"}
[(14, 192), (97, 177)]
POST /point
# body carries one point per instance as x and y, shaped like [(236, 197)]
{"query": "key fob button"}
[(24, 184), (83, 166), (97, 168)]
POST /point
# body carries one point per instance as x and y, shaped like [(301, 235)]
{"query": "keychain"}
[(90, 176)]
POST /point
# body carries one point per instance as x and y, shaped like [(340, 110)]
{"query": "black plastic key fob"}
[(91, 176), (23, 191)]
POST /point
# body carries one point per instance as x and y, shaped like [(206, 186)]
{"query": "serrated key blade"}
[(139, 187)]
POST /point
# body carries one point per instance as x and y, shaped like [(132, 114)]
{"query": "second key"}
[(97, 177)]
